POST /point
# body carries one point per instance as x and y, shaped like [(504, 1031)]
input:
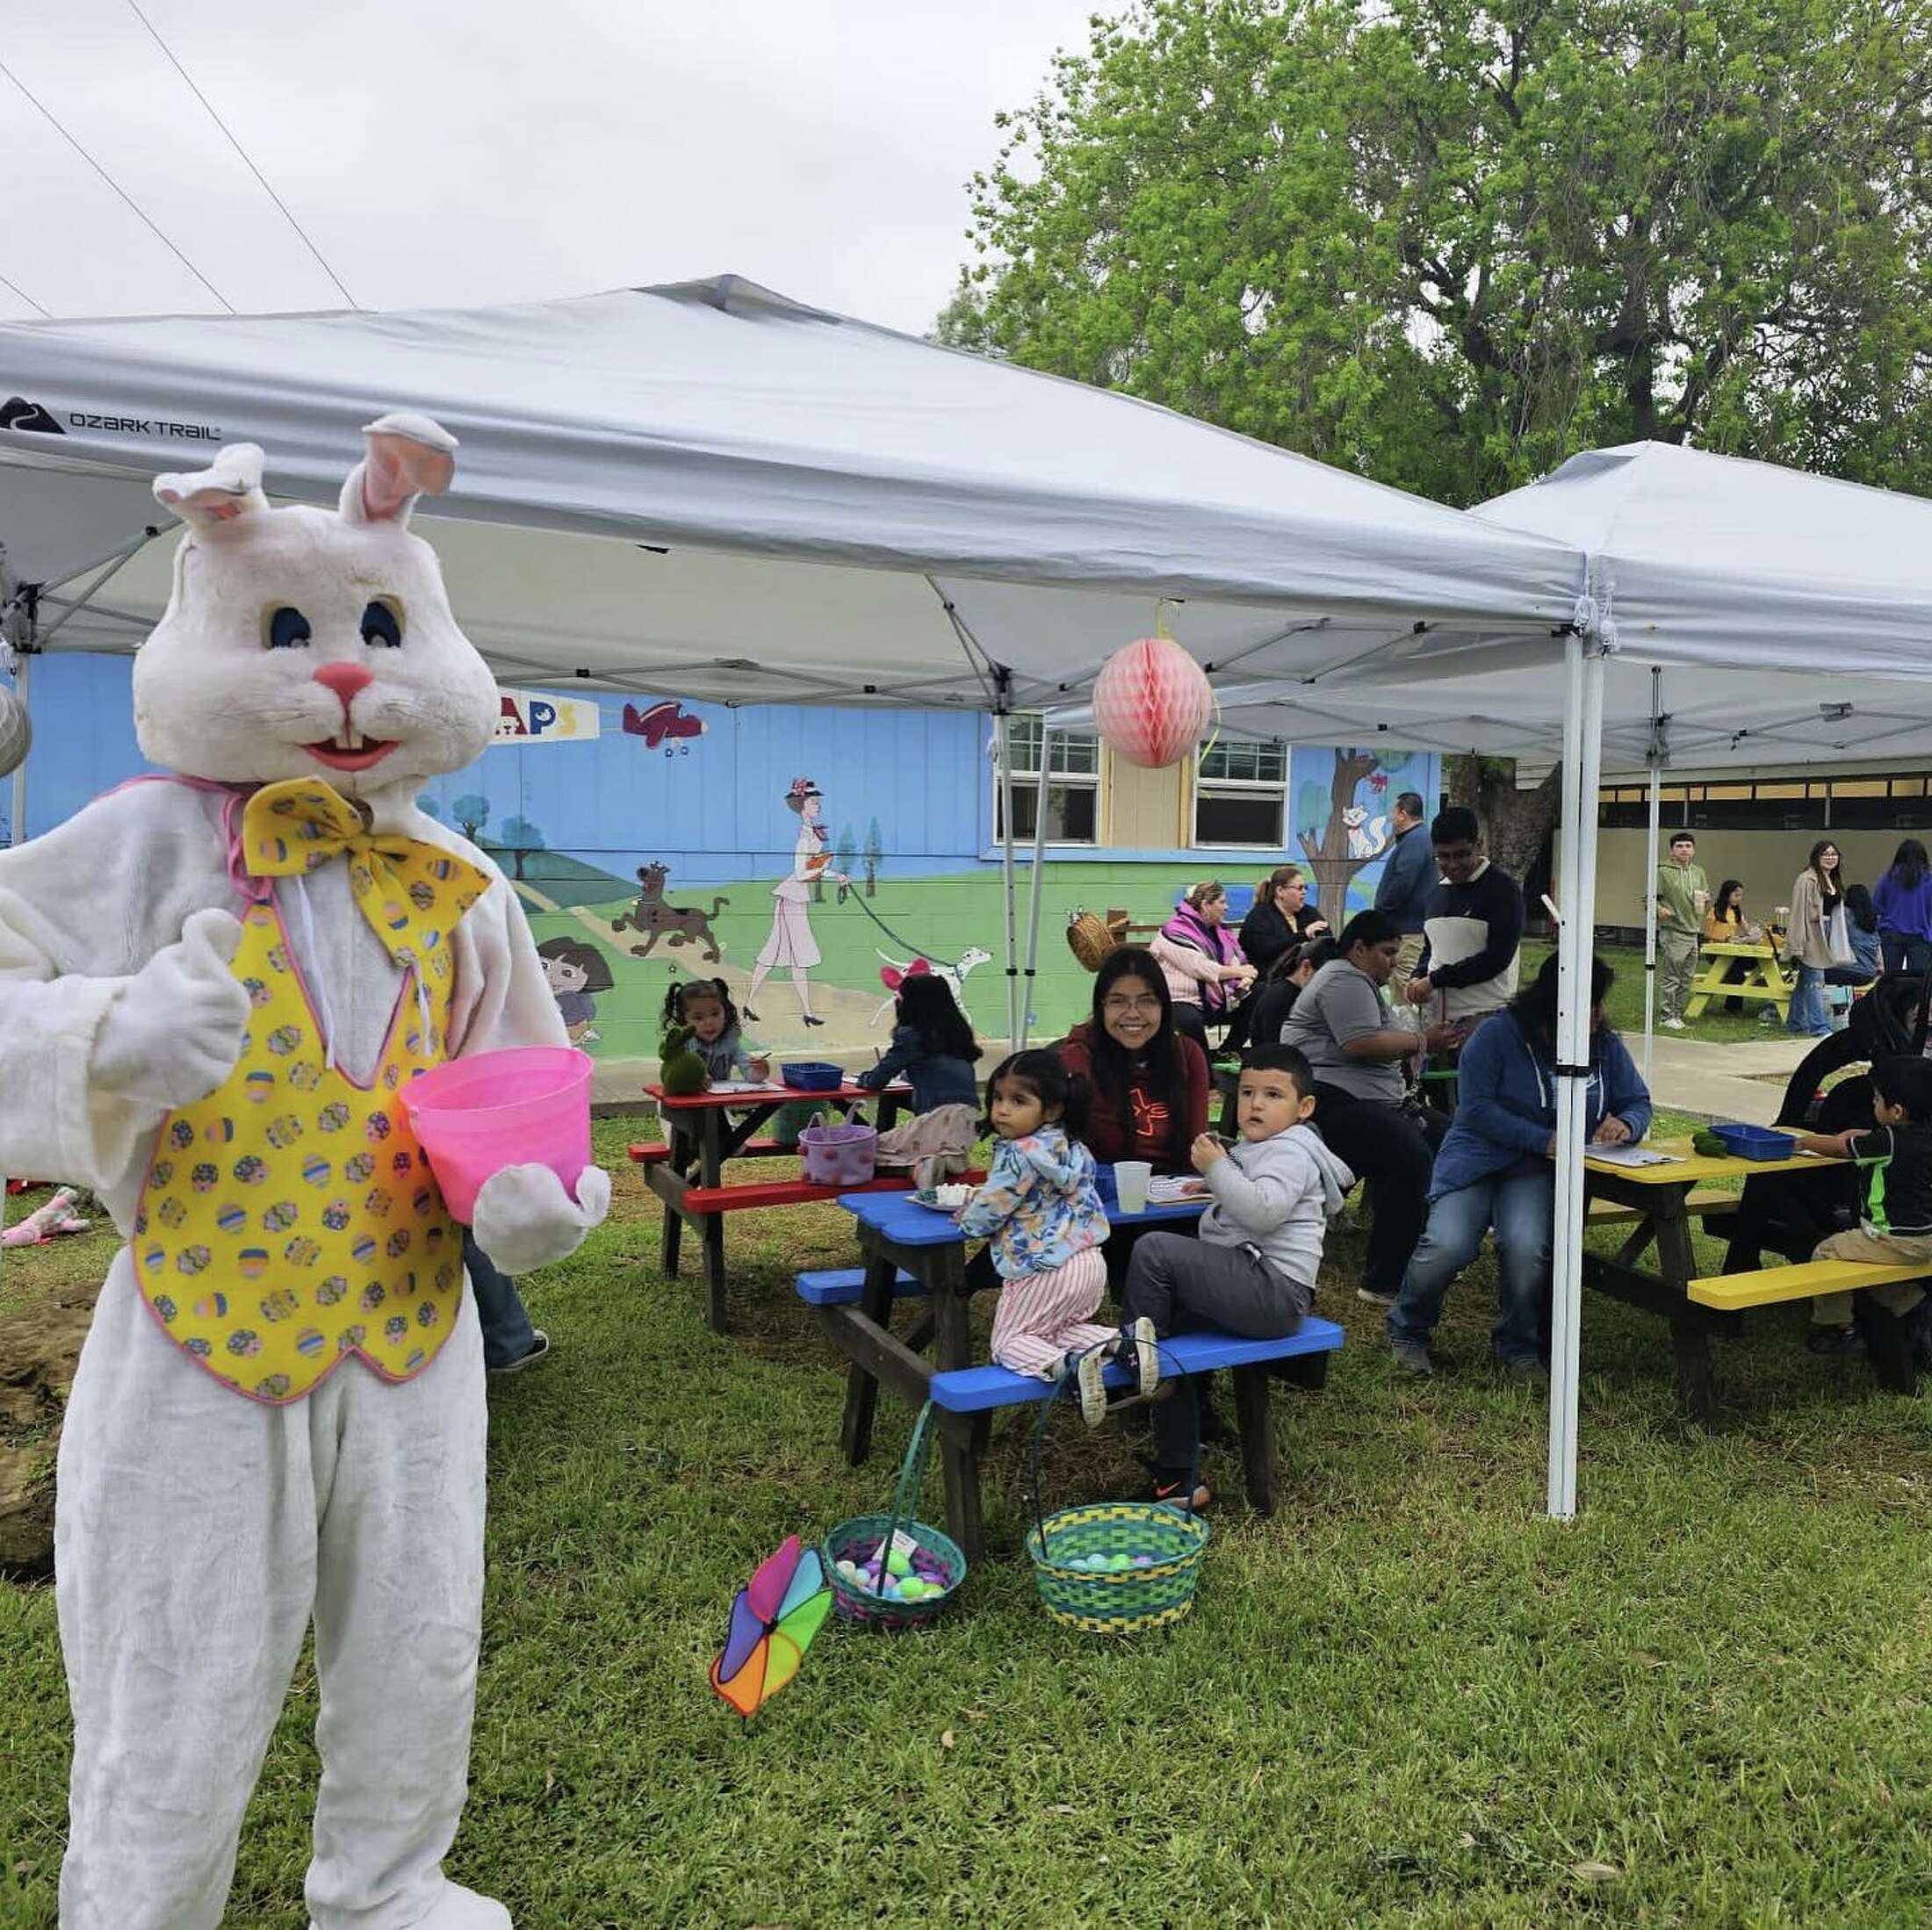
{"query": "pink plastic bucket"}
[(527, 1107)]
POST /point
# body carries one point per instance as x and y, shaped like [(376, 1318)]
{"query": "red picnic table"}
[(702, 1199)]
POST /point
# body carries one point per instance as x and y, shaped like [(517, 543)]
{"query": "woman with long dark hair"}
[(1150, 1082), (1496, 1169), (1903, 900), (1817, 898)]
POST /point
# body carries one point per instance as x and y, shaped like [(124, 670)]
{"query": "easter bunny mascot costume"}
[(213, 987)]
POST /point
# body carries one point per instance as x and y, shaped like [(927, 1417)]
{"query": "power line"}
[(115, 186), (242, 151), (13, 288)]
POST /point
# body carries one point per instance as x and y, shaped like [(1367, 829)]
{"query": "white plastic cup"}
[(1131, 1178)]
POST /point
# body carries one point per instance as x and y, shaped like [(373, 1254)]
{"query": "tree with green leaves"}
[(875, 856), (521, 839), (472, 812), (843, 858), (1448, 246)]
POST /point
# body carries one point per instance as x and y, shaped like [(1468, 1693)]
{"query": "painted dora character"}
[(574, 970)]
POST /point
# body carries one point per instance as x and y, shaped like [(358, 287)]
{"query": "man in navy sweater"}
[(1473, 928), (1408, 880)]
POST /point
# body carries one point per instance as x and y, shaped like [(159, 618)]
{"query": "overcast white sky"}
[(476, 151)]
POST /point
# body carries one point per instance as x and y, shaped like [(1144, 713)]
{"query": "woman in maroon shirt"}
[(1149, 1082)]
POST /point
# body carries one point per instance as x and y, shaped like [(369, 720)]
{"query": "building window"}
[(1818, 804), (1241, 790), (1073, 785)]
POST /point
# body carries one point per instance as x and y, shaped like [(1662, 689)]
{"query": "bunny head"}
[(300, 641)]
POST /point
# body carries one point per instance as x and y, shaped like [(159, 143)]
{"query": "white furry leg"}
[(184, 1547), (398, 1613)]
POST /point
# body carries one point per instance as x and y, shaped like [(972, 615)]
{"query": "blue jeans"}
[(507, 1334), (1521, 1206), (1807, 1016)]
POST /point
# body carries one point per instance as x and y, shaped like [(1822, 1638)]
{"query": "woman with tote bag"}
[(1817, 904)]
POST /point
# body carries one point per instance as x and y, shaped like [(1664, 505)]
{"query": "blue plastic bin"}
[(1756, 1142), (811, 1076)]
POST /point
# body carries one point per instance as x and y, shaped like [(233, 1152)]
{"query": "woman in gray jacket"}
[(1816, 898)]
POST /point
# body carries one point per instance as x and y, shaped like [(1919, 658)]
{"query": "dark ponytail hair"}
[(701, 988), (1909, 864), (1534, 1007), (927, 1005), (1049, 1082)]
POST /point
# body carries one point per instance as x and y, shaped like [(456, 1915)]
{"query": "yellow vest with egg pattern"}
[(290, 1218)]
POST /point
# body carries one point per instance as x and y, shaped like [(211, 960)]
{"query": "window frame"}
[(1027, 731), (1238, 788)]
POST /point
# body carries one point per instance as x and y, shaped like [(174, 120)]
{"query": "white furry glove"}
[(174, 1033), (524, 1219)]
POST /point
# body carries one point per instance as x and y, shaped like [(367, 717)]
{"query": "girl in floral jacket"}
[(1041, 1214)]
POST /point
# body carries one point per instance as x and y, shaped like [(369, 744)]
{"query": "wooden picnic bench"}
[(1658, 1202), (1733, 969), (702, 1198), (913, 1253)]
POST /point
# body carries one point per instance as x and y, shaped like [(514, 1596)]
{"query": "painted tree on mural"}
[(428, 806), (842, 860), (1329, 859), (472, 812), (520, 837), (875, 856)]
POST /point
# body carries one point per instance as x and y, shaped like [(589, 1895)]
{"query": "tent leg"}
[(1582, 767), (1006, 877), (1650, 873), (22, 673), (1027, 979)]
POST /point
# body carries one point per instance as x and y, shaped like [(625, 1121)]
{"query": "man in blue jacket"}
[(1496, 1167), (1409, 875)]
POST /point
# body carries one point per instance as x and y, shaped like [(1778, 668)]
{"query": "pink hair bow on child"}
[(891, 977)]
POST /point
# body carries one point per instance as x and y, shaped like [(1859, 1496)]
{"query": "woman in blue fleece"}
[(1496, 1169)]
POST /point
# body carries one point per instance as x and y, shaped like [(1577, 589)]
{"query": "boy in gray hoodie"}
[(1252, 1269)]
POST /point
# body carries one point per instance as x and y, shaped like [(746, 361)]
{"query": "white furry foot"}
[(459, 1908), (523, 1219)]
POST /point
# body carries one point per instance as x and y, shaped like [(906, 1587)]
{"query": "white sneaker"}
[(1147, 1356), (1093, 1388), (1675, 1025), (1374, 1296)]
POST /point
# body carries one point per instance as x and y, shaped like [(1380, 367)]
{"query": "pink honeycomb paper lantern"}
[(1152, 702)]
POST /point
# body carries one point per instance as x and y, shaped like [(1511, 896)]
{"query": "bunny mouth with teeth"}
[(352, 750)]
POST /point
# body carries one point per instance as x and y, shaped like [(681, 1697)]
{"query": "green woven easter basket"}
[(853, 1541), (1114, 1567)]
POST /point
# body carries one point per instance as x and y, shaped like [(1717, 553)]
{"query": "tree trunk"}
[(1516, 823), (1328, 861)]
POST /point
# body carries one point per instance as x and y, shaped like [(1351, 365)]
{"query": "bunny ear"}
[(230, 486), (409, 455)]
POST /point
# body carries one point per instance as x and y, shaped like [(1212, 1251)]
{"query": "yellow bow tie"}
[(411, 893)]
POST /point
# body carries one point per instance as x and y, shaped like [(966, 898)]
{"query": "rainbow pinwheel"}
[(772, 1622)]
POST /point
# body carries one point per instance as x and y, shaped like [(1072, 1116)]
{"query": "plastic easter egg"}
[(898, 1563), (1144, 1562)]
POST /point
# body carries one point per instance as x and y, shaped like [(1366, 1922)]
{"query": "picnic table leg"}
[(712, 1224), (861, 1386), (1690, 1342), (950, 1305), (1255, 1421)]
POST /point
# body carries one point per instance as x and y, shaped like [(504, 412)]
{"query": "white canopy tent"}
[(1701, 567)]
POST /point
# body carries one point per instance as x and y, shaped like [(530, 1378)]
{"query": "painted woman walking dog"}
[(792, 943)]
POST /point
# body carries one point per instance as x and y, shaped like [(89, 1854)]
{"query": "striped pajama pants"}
[(1043, 1317)]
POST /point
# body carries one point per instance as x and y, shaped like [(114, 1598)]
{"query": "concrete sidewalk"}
[(1720, 1082)]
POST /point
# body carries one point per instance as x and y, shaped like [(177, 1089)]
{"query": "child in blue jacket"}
[(1496, 1169)]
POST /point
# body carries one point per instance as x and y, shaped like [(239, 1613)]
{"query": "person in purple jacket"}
[(1496, 1167), (1903, 900)]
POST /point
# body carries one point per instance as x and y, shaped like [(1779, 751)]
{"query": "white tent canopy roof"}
[(1712, 560), (708, 490)]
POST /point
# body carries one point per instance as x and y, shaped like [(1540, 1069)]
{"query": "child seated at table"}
[(1040, 1211), (1253, 1268), (933, 1050), (1894, 1159), (705, 1006)]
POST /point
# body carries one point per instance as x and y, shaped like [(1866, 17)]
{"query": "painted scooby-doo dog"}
[(675, 925)]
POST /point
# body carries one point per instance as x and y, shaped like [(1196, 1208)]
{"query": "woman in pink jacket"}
[(1201, 961)]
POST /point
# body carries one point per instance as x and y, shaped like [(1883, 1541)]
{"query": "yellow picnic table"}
[(1731, 969)]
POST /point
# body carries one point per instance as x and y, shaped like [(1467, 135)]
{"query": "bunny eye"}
[(382, 624), (283, 627)]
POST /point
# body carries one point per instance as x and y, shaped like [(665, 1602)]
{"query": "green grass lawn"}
[(1625, 1006), (1405, 1700)]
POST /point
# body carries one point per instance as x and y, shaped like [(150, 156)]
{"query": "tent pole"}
[(1033, 894), (1650, 873), (22, 666), (1005, 728), (1582, 767)]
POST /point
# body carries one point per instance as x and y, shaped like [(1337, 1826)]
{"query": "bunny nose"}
[(345, 680)]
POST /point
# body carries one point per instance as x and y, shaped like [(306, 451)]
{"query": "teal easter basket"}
[(1114, 1567), (853, 1599)]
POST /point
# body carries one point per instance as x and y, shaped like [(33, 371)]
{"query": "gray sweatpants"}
[(1676, 967), (1180, 1283)]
